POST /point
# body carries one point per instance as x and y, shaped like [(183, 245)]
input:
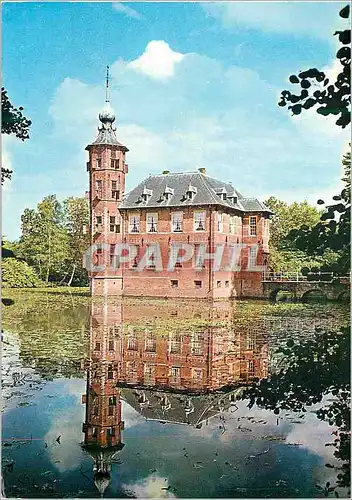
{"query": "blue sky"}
[(193, 84)]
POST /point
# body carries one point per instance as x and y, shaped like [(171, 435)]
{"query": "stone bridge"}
[(338, 290)]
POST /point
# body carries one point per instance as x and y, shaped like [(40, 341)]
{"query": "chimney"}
[(165, 172), (202, 170)]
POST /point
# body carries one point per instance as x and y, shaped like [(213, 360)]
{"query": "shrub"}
[(18, 274)]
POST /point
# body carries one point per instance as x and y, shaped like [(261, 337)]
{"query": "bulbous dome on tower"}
[(107, 115)]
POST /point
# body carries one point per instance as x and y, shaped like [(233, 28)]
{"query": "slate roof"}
[(107, 136), (202, 406), (206, 193)]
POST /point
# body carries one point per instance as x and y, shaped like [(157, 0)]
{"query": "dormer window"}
[(191, 192), (146, 194), (232, 198), (221, 192), (168, 193)]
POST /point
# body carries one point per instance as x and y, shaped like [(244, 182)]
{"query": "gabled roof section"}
[(206, 191)]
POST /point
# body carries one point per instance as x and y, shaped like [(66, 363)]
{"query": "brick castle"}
[(159, 217)]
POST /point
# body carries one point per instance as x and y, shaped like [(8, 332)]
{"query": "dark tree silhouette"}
[(313, 369), (330, 98), (13, 122)]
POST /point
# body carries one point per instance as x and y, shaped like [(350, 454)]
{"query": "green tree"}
[(76, 216), (13, 122), (284, 254), (328, 98), (44, 241), (333, 230), (18, 274)]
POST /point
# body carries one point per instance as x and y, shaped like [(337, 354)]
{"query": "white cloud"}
[(223, 118), (158, 60), (293, 18), (67, 423), (126, 10)]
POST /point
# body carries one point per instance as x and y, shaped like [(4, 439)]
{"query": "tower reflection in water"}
[(172, 364)]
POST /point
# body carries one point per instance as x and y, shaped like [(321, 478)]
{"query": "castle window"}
[(98, 184), (112, 224), (219, 222), (110, 373), (175, 372), (198, 284), (115, 164), (98, 163), (199, 263), (232, 224), (110, 411), (218, 284), (110, 431), (97, 346), (94, 432), (150, 255), (132, 342), (134, 262), (253, 226), (199, 221), (152, 223), (176, 222), (227, 284), (250, 341), (112, 401), (197, 345), (134, 224), (111, 345), (150, 344), (175, 343), (177, 252), (252, 259), (197, 374), (251, 367), (115, 193), (174, 283)]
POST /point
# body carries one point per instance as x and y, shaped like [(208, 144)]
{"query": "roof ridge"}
[(208, 188)]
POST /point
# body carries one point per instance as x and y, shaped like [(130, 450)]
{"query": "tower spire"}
[(107, 94)]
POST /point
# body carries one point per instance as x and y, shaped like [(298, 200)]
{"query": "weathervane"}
[(107, 85)]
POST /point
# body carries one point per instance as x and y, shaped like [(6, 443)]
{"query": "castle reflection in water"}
[(173, 364)]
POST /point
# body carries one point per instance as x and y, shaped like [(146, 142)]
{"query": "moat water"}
[(147, 399)]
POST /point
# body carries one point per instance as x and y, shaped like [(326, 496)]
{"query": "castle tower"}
[(103, 424), (107, 170)]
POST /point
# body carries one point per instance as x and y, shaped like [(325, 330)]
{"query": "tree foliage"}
[(312, 370), (54, 239), (76, 216), (318, 91), (13, 122), (44, 242), (18, 274), (284, 254), (333, 231)]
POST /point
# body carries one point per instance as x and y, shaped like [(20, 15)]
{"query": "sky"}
[(192, 85)]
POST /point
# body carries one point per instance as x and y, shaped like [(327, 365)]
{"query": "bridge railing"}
[(296, 276)]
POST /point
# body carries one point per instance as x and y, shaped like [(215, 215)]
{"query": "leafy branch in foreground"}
[(13, 122), (314, 369), (332, 98)]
